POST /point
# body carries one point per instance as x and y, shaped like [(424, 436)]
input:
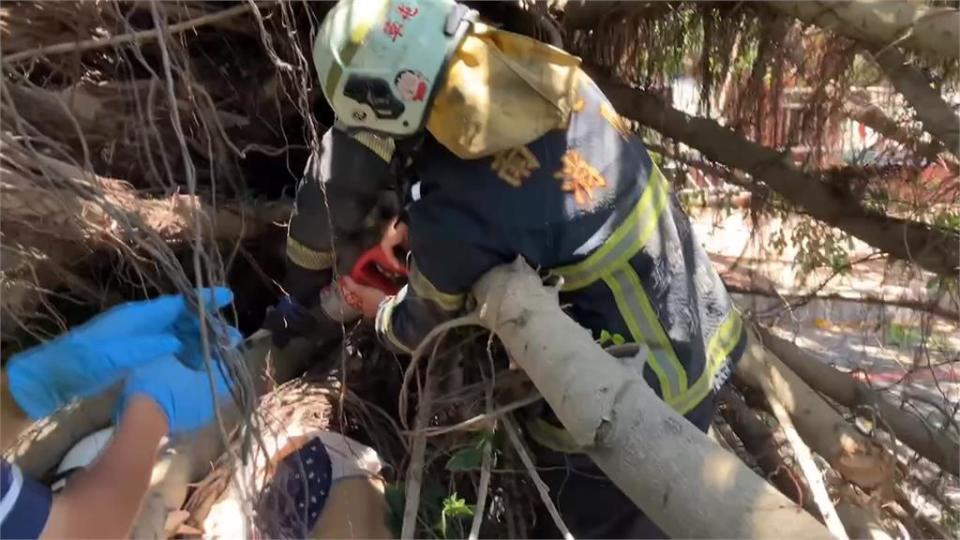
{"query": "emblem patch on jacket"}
[(578, 177), (578, 103), (514, 165)]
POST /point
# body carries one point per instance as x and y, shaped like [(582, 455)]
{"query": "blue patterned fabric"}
[(293, 501)]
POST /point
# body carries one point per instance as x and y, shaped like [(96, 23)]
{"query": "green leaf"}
[(454, 506), (605, 337), (466, 459)]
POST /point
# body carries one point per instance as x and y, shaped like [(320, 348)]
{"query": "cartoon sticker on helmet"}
[(411, 84)]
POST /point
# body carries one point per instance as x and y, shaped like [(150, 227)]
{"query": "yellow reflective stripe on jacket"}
[(625, 241), (306, 257), (384, 325), (381, 146), (425, 289), (645, 327), (722, 343)]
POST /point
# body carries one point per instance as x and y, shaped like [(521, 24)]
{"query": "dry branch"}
[(657, 458), (139, 37), (418, 448), (937, 446), (857, 458), (54, 215), (801, 453), (541, 486), (926, 306), (932, 248)]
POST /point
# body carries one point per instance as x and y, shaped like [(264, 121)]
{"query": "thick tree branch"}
[(868, 114), (937, 117), (932, 248), (920, 28), (937, 446), (659, 460)]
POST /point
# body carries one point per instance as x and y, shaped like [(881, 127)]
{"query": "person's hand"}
[(394, 236), (364, 299), (183, 394), (93, 356), (287, 320)]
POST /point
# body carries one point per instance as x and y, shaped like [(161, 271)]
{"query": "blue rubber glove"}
[(183, 394), (93, 356)]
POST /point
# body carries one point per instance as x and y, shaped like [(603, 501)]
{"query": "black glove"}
[(287, 320)]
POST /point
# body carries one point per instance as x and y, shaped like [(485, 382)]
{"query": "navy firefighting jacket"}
[(587, 204), (342, 183)]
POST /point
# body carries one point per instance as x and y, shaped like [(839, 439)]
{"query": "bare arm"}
[(12, 419), (104, 500)]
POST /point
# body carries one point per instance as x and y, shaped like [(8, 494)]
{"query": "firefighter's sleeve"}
[(439, 281), (339, 188)]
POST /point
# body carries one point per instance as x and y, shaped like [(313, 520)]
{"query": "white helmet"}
[(380, 62)]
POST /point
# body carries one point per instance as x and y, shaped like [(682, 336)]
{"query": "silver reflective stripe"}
[(635, 308), (625, 241), (13, 492)]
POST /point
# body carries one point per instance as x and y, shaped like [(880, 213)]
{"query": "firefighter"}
[(504, 148), (343, 185)]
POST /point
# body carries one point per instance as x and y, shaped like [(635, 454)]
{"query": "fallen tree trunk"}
[(923, 29), (937, 446), (663, 463), (855, 457), (932, 248)]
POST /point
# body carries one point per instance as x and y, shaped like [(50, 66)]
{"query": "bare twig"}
[(145, 35), (486, 464), (415, 468), (428, 341), (480, 418), (542, 488), (814, 479)]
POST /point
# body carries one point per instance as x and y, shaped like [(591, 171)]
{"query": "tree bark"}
[(937, 117), (689, 486), (854, 456), (922, 29), (932, 248), (937, 446)]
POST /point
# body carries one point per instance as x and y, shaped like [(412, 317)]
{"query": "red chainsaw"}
[(375, 269)]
